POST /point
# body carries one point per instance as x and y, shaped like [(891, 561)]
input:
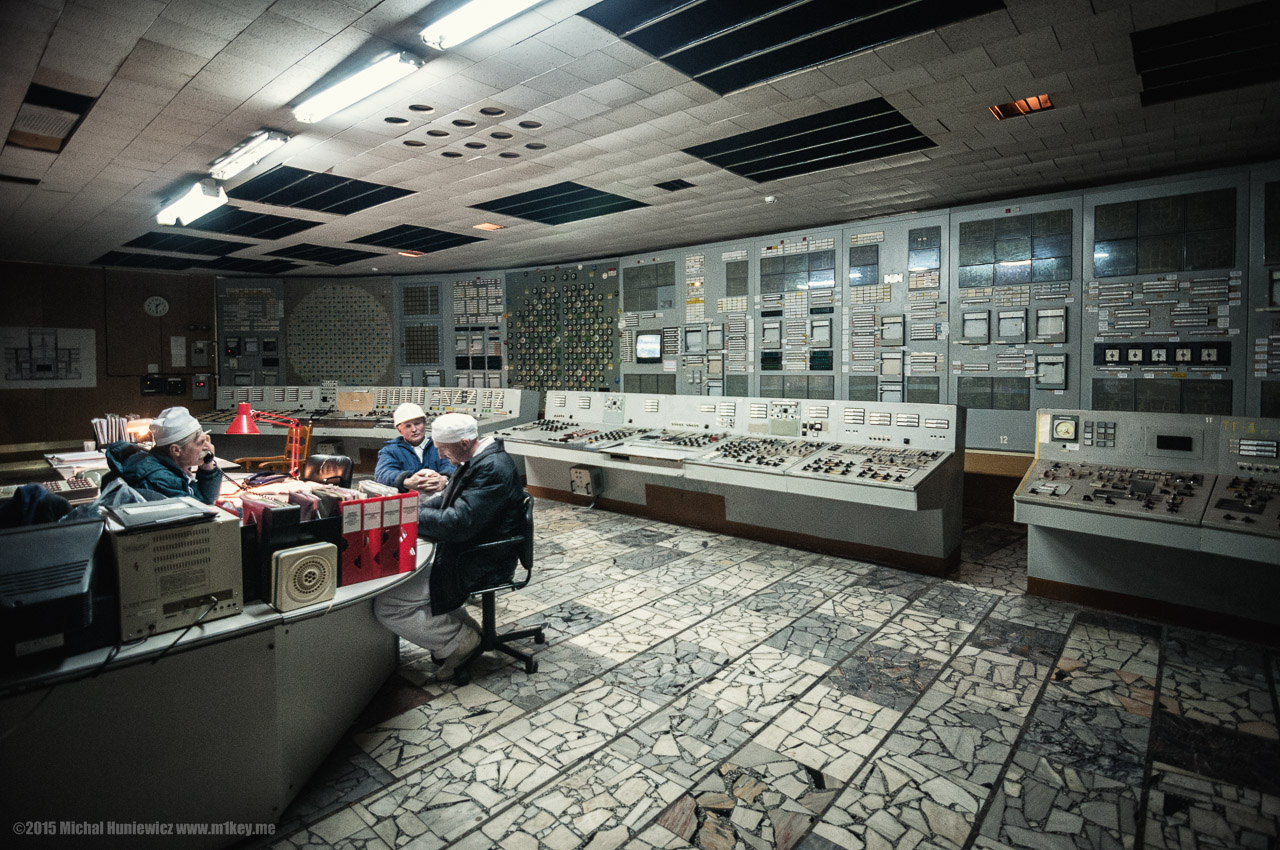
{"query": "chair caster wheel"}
[(531, 667), (539, 638)]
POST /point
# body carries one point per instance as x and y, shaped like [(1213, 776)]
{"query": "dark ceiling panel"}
[(285, 186), (674, 185), (322, 254), (181, 244), (1212, 53), (560, 204), (234, 221), (248, 265), (407, 237), (728, 45), (857, 133), (142, 261)]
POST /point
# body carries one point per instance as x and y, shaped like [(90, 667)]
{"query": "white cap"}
[(454, 428), (172, 425), (407, 412)]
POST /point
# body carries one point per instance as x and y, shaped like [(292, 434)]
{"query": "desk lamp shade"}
[(243, 423)]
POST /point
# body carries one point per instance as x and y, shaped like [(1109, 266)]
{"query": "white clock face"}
[(155, 306)]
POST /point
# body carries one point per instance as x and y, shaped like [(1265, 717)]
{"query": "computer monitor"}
[(648, 348)]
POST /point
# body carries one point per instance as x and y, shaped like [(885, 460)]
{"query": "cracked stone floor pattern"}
[(703, 691)]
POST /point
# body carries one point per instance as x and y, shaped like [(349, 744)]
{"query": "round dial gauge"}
[(155, 306), (1064, 429)]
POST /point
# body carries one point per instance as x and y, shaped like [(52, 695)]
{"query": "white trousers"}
[(406, 610)]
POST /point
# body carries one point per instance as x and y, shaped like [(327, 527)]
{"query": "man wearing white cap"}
[(483, 502), (180, 445), (411, 461)]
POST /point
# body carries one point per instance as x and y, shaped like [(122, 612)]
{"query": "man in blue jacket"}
[(180, 445), (411, 461)]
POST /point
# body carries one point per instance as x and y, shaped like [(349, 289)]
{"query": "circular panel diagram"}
[(340, 333)]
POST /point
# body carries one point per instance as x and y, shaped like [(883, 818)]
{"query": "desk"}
[(227, 726)]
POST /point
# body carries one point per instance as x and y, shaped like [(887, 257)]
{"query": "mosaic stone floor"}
[(702, 691)]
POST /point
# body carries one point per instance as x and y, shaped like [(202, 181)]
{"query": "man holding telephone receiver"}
[(180, 446)]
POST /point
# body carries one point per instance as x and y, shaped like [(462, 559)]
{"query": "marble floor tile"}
[(561, 668), (743, 579), (347, 775), (1004, 682), (687, 738), (1089, 733), (734, 630), (899, 583), (1006, 637), (784, 598), (1010, 579), (1240, 701), (349, 829), (694, 540), (1113, 647), (667, 670), (602, 803), (564, 620), (829, 730), (673, 576), (450, 721), (820, 636), (1048, 614), (1186, 810), (889, 677), (638, 537), (830, 574), (1210, 750), (578, 724), (657, 838), (756, 800), (625, 595), (440, 803), (764, 680), (1122, 689), (646, 558), (1045, 805), (1210, 652), (957, 602), (925, 633), (626, 636)]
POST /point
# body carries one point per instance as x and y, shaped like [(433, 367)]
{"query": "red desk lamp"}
[(245, 422)]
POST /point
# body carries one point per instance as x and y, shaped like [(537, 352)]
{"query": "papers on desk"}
[(76, 459)]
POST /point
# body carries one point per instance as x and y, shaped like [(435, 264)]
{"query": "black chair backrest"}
[(526, 546), (328, 469)]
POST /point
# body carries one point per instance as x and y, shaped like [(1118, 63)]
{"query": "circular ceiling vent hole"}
[(421, 107), (492, 110), (530, 125), (509, 155), (451, 154), (414, 143), (439, 134), (475, 146), (463, 122), (536, 146), (500, 134), (394, 119)]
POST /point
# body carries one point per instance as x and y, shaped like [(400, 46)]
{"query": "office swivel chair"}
[(489, 638), (327, 469)]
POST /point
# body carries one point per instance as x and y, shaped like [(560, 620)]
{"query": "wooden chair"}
[(489, 637), (280, 463)]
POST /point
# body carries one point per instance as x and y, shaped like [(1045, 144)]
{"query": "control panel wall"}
[(799, 311), (340, 330), (653, 293), (716, 345), (475, 309), (420, 355), (1164, 309), (1262, 397), (251, 332), (1015, 303), (895, 328), (562, 326)]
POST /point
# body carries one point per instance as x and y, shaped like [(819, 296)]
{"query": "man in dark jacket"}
[(180, 445), (484, 502), (411, 461)]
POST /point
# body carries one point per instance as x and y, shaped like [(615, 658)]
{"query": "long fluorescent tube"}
[(357, 87), (470, 20), (204, 197), (249, 152)]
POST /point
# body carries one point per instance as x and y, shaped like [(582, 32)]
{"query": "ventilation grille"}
[(180, 244), (674, 185), (407, 237), (234, 221), (284, 186), (857, 133), (1211, 53), (729, 45), (560, 204), (322, 254), (244, 264), (47, 118)]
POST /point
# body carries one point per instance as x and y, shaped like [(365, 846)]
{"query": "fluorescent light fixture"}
[(249, 152), (357, 87), (204, 197), (488, 226), (471, 19)]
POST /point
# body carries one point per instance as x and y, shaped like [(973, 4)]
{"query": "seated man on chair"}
[(484, 502), (411, 461), (180, 445)]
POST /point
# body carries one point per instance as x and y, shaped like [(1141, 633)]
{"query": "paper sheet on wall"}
[(47, 358)]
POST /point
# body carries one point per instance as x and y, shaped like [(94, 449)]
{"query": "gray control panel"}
[(1263, 349)]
